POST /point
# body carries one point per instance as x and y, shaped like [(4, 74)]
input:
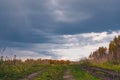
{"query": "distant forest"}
[(111, 54)]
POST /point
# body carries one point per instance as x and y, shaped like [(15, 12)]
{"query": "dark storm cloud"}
[(104, 16), (27, 22), (19, 18)]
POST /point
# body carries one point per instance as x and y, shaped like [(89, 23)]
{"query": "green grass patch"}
[(14, 72), (53, 73), (108, 66)]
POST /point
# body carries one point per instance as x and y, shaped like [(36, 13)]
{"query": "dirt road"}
[(101, 73), (68, 75), (34, 75)]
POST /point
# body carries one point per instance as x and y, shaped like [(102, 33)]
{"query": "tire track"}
[(101, 73), (34, 75), (68, 75)]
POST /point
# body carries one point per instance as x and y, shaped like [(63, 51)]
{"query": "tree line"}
[(111, 54)]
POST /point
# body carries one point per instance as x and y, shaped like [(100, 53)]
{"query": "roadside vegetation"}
[(108, 66), (107, 58), (104, 62), (15, 69)]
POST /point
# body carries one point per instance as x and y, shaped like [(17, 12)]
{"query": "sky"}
[(57, 29)]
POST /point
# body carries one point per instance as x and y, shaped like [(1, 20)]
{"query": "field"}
[(56, 70), (19, 69), (36, 70)]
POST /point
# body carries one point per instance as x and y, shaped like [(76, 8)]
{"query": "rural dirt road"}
[(101, 73), (68, 75), (34, 75)]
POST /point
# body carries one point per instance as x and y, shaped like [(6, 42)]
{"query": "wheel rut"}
[(101, 73), (68, 75), (34, 75)]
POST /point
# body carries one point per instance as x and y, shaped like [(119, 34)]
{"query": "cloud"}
[(51, 27), (57, 16), (72, 47), (96, 36), (81, 45), (63, 13)]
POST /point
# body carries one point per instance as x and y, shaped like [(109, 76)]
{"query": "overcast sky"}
[(57, 29)]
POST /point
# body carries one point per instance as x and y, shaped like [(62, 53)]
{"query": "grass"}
[(108, 66), (14, 69), (80, 74), (53, 73), (10, 71)]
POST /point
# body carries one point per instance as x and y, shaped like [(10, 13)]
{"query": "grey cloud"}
[(27, 22)]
